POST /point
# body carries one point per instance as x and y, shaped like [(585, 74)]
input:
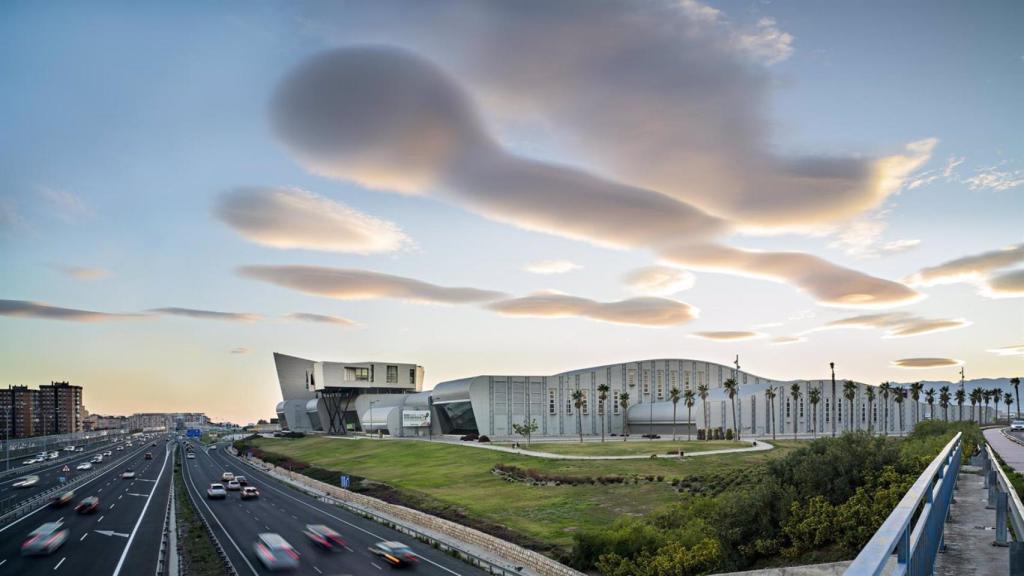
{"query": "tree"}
[(688, 400), (1008, 399), (794, 391), (673, 395), (997, 397), (944, 402), (578, 401), (899, 394), (986, 397), (850, 393), (814, 396), (770, 394), (526, 429), (869, 391), (1015, 382), (885, 389), (602, 397), (624, 402), (929, 397), (960, 397), (915, 395), (731, 388), (702, 391), (975, 401)]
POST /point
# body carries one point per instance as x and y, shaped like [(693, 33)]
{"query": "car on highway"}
[(153, 444), (227, 477), (190, 456), (394, 553), (108, 453), (149, 455), (97, 459), (88, 505), (241, 480), (128, 445), (69, 448), (80, 449), (324, 536), (216, 492), (45, 539), (84, 466), (63, 499), (250, 492), (234, 486), (275, 552), (26, 482), (213, 447), (119, 448), (53, 455), (30, 461), (128, 474), (1017, 425)]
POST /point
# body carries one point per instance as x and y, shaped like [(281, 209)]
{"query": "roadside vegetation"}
[(613, 448), (198, 555)]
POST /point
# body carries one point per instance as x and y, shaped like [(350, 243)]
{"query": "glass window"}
[(392, 374), (585, 408), (661, 385), (828, 410), (615, 403), (647, 382), (552, 403), (568, 403), (631, 377)]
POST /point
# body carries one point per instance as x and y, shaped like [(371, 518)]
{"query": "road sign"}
[(194, 433), (65, 469), (345, 480), (62, 479)]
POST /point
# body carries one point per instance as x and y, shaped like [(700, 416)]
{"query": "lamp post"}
[(650, 422), (736, 382), (832, 365), (372, 402)]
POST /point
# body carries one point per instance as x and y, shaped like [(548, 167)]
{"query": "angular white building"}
[(337, 398)]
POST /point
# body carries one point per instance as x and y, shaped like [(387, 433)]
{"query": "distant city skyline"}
[(488, 187)]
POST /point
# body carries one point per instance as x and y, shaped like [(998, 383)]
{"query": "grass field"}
[(442, 478), (620, 448)]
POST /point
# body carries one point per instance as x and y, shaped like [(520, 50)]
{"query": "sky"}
[(505, 188)]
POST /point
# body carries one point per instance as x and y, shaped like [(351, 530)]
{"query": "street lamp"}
[(372, 402), (832, 365)]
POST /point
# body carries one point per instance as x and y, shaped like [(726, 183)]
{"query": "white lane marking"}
[(4, 561), (112, 506), (83, 536), (61, 562), (118, 497), (101, 519), (111, 533), (375, 566), (136, 494), (318, 571), (128, 546), (349, 549)]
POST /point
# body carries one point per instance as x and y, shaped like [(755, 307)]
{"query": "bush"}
[(729, 434), (700, 434), (484, 439), (471, 437)]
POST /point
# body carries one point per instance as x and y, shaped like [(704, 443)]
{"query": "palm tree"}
[(673, 395), (869, 391), (960, 397), (975, 401), (885, 388), (731, 388), (997, 397), (770, 395), (702, 391), (602, 397), (794, 391), (1008, 399), (986, 396), (1015, 382), (944, 402), (577, 401), (850, 393), (688, 397), (915, 395), (624, 402), (814, 396), (929, 397), (899, 394)]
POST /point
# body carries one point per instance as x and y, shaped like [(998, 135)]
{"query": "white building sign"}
[(415, 418)]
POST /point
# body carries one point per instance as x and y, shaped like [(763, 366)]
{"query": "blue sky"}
[(126, 126)]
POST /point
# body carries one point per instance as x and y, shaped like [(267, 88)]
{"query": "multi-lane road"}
[(283, 510), (49, 472), (121, 538)]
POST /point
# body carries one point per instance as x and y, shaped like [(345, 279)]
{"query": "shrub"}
[(471, 437), (728, 434), (484, 439), (700, 434)]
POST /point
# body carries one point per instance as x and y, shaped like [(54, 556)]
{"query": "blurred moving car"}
[(1017, 425), (128, 474), (191, 456), (29, 461), (149, 455), (88, 505), (275, 552), (234, 486), (84, 466), (227, 477), (250, 492), (394, 553), (324, 537), (54, 455), (26, 482), (63, 499), (45, 539), (108, 453), (97, 459), (119, 448), (216, 492)]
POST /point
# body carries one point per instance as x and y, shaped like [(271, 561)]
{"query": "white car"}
[(191, 456), (108, 453), (54, 455), (128, 474), (84, 466), (30, 461), (227, 477), (26, 482), (69, 448), (1017, 425), (97, 459)]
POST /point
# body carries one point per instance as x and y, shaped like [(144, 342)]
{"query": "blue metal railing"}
[(915, 538)]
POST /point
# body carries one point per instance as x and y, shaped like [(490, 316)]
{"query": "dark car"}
[(250, 492), (149, 455), (88, 505), (324, 537), (241, 481), (63, 499), (394, 553)]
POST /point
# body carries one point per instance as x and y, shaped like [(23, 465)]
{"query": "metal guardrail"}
[(443, 545), (915, 537), (164, 564), (65, 456)]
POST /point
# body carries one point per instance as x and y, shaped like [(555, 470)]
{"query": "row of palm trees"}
[(978, 397)]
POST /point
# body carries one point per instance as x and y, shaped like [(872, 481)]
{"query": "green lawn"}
[(620, 448), (458, 479)]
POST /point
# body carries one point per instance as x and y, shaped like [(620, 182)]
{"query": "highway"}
[(50, 473), (121, 538), (1011, 452), (284, 510)]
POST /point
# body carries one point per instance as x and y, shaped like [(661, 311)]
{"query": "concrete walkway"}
[(970, 532), (761, 445)]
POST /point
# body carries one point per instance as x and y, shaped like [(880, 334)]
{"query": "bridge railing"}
[(1003, 497), (914, 528)]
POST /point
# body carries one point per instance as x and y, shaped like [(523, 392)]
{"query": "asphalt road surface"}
[(121, 538), (285, 511), (1011, 452), (49, 475)]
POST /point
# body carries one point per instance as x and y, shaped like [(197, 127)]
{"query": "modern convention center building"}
[(342, 397)]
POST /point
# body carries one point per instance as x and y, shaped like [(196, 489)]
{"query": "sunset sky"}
[(505, 187)]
